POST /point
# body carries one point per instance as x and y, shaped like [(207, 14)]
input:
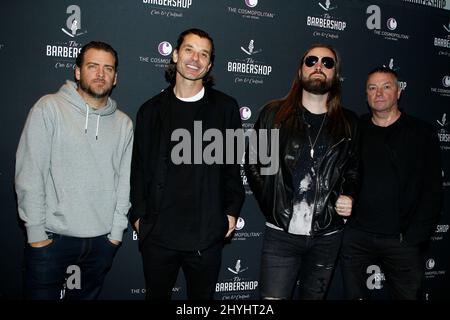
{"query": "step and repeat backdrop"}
[(258, 47)]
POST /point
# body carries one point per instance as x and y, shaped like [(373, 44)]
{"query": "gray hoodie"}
[(73, 168)]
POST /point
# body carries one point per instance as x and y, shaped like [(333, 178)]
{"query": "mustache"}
[(318, 72)]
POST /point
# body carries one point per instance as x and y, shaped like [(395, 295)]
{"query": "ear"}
[(175, 56), (77, 73), (399, 92), (115, 79)]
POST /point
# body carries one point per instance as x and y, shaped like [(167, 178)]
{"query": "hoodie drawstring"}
[(87, 117), (86, 123), (96, 130)]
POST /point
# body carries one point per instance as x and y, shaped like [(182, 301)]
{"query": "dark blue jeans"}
[(287, 257), (401, 264), (46, 267)]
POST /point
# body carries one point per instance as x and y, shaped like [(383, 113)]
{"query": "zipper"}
[(317, 181)]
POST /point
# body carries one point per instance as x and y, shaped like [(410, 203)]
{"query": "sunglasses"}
[(327, 62)]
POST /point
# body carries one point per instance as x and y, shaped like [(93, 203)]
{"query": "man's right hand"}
[(136, 225), (40, 244)]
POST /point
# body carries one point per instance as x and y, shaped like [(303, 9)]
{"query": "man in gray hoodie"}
[(72, 181)]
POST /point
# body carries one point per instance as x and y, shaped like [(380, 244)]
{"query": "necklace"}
[(312, 145)]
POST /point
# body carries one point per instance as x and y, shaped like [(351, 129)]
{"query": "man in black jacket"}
[(400, 197), (183, 207), (306, 201)]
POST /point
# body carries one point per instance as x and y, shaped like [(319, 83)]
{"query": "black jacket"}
[(338, 173), (415, 156), (219, 190)]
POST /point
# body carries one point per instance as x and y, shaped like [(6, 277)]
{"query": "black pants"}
[(288, 257), (365, 253), (161, 267)]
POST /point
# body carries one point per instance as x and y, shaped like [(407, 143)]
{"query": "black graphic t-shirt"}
[(305, 174)]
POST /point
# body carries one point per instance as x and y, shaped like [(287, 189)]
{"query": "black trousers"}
[(161, 267), (365, 254)]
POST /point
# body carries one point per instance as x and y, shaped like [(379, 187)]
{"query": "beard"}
[(317, 86), (94, 93)]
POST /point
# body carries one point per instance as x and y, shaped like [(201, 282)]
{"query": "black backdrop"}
[(37, 50)]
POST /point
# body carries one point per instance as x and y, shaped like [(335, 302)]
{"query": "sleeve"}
[(351, 175), (429, 207), (120, 220), (252, 164), (32, 171), (137, 194), (234, 190)]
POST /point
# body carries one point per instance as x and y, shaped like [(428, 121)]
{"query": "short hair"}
[(383, 69), (171, 70), (99, 45)]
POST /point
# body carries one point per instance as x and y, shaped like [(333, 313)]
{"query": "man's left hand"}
[(231, 225), (344, 205)]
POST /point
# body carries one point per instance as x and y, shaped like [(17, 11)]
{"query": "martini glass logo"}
[(251, 3), (237, 268), (251, 48), (447, 27), (391, 65), (246, 113), (165, 48), (327, 7), (443, 122), (392, 24)]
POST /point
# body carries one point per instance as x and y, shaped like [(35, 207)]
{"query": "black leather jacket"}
[(338, 173)]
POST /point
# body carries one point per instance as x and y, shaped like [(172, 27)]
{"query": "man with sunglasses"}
[(307, 200), (400, 199)]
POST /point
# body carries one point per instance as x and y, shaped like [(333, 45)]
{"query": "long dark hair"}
[(171, 70), (337, 124)]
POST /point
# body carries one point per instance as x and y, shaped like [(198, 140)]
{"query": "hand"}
[(136, 225), (231, 225), (344, 205), (114, 242), (40, 244)]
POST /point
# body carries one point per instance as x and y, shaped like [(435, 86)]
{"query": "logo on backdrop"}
[(441, 4), (443, 41), (66, 51), (443, 91), (443, 134), (441, 229), (327, 6), (238, 286), (323, 23), (432, 270), (376, 277), (251, 3), (162, 60), (374, 22), (250, 11), (73, 22), (247, 70), (168, 8), (391, 65), (251, 49), (447, 28), (246, 113), (237, 268), (240, 223)]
